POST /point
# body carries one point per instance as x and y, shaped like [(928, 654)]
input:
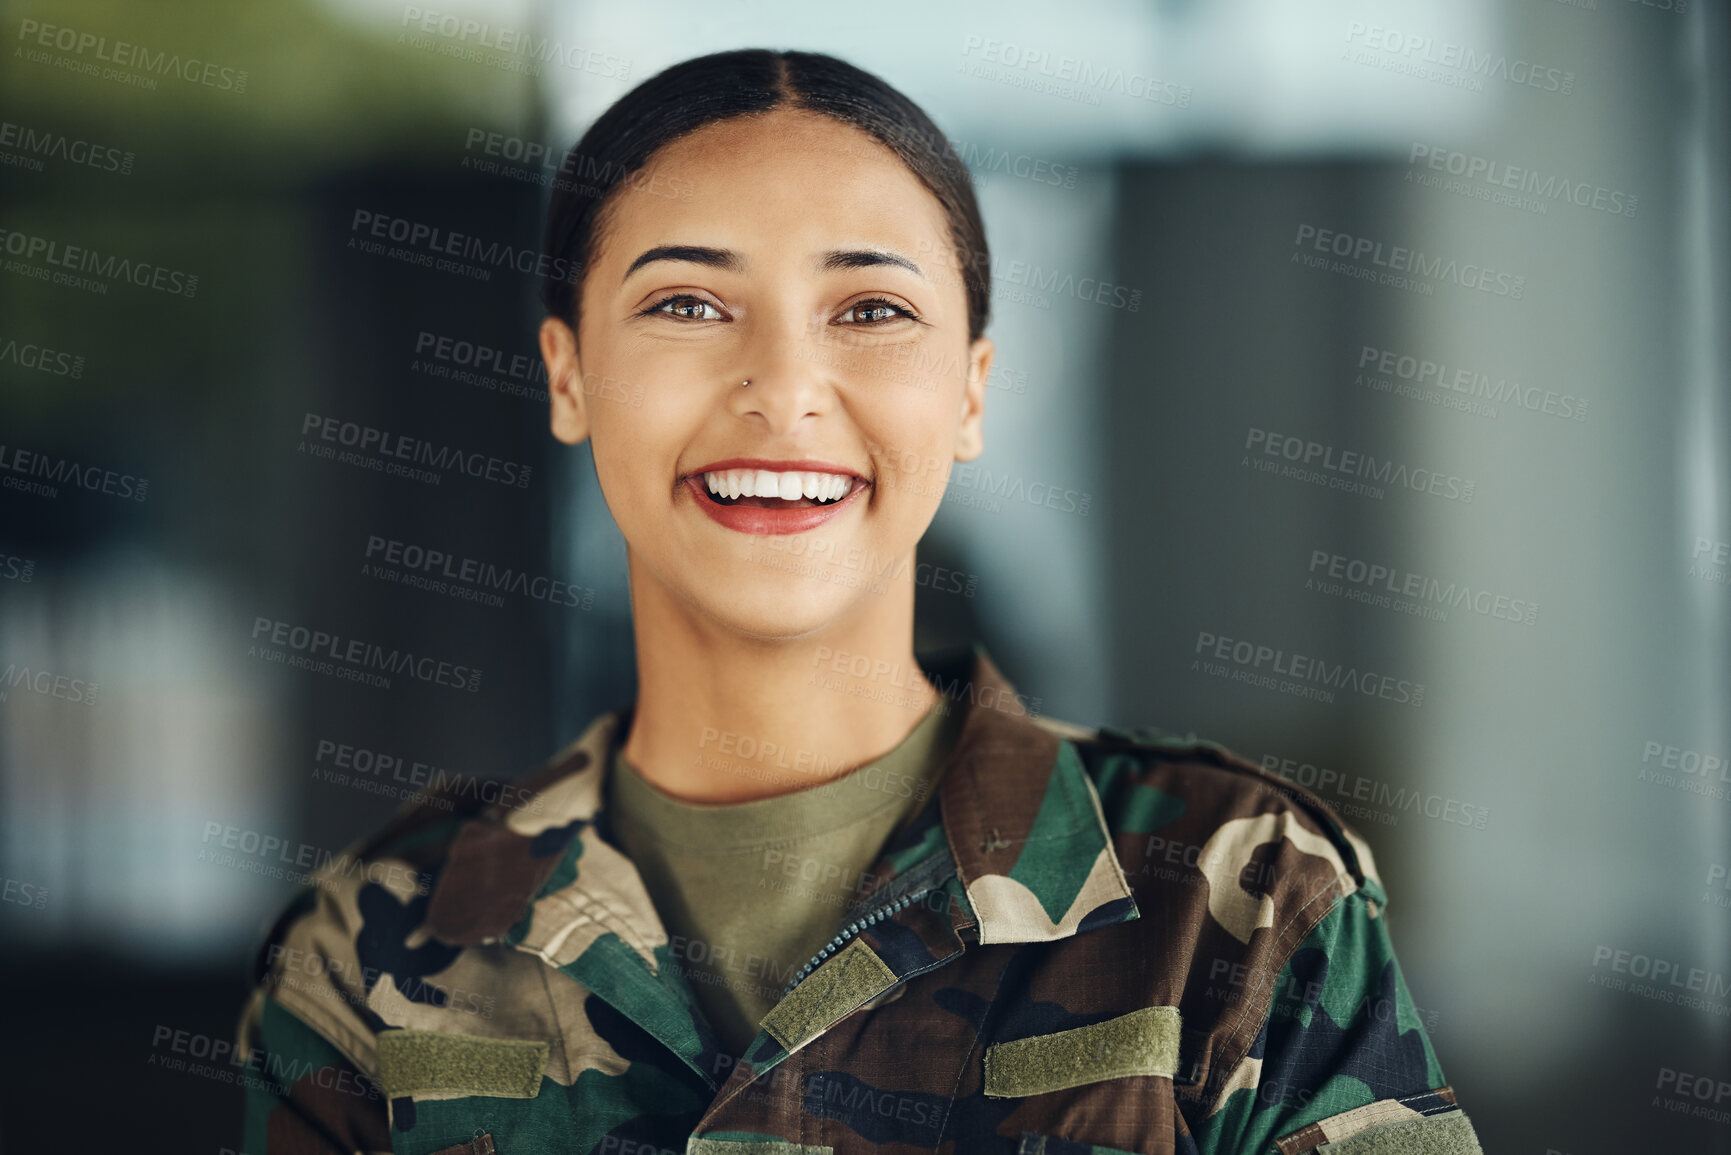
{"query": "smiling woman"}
[(811, 892)]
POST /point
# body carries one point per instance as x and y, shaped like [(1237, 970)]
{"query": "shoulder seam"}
[(422, 813), (1221, 756)]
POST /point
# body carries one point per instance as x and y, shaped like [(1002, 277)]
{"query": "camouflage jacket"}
[(1087, 941)]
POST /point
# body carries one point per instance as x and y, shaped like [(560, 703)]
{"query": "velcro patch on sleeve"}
[(428, 1062), (698, 1145), (853, 977), (1445, 1134), (1142, 1042), (1377, 1116)]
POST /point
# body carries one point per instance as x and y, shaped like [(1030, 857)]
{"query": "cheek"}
[(639, 434), (633, 454), (913, 445)]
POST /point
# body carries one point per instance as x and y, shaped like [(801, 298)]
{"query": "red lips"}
[(772, 515)]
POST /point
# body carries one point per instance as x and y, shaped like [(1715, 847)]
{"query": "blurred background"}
[(1411, 359)]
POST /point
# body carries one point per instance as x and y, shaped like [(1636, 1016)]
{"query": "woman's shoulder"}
[(451, 870), (1181, 806), (1261, 920)]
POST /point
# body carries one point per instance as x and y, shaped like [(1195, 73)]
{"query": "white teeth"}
[(733, 483)]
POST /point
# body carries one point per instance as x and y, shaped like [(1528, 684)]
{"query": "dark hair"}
[(744, 82)]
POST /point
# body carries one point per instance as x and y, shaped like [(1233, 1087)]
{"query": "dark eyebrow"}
[(867, 258), (695, 254)]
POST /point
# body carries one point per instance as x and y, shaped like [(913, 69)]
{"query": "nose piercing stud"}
[(744, 383)]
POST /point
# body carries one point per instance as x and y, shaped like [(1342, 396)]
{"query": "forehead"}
[(789, 183)]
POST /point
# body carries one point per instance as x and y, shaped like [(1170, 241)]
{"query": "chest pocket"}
[(1142, 1042)]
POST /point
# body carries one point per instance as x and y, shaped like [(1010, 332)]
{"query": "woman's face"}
[(800, 254)]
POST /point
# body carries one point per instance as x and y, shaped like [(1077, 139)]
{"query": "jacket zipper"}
[(850, 930)]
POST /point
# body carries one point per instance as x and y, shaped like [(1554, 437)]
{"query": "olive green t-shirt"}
[(749, 891)]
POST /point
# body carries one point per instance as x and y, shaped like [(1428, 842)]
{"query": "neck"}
[(724, 717)]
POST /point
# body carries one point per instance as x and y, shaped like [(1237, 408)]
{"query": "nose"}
[(782, 383)]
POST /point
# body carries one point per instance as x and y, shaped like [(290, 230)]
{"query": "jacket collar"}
[(1020, 819), (1015, 839), (1024, 824)]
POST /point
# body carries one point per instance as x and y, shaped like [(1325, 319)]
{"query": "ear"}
[(570, 416), (971, 436)]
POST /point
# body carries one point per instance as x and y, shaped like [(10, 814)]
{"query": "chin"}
[(778, 607)]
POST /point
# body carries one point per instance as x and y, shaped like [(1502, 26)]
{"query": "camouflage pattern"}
[(1087, 941)]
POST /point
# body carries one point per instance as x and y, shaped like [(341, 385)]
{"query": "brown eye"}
[(873, 313), (686, 308)]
